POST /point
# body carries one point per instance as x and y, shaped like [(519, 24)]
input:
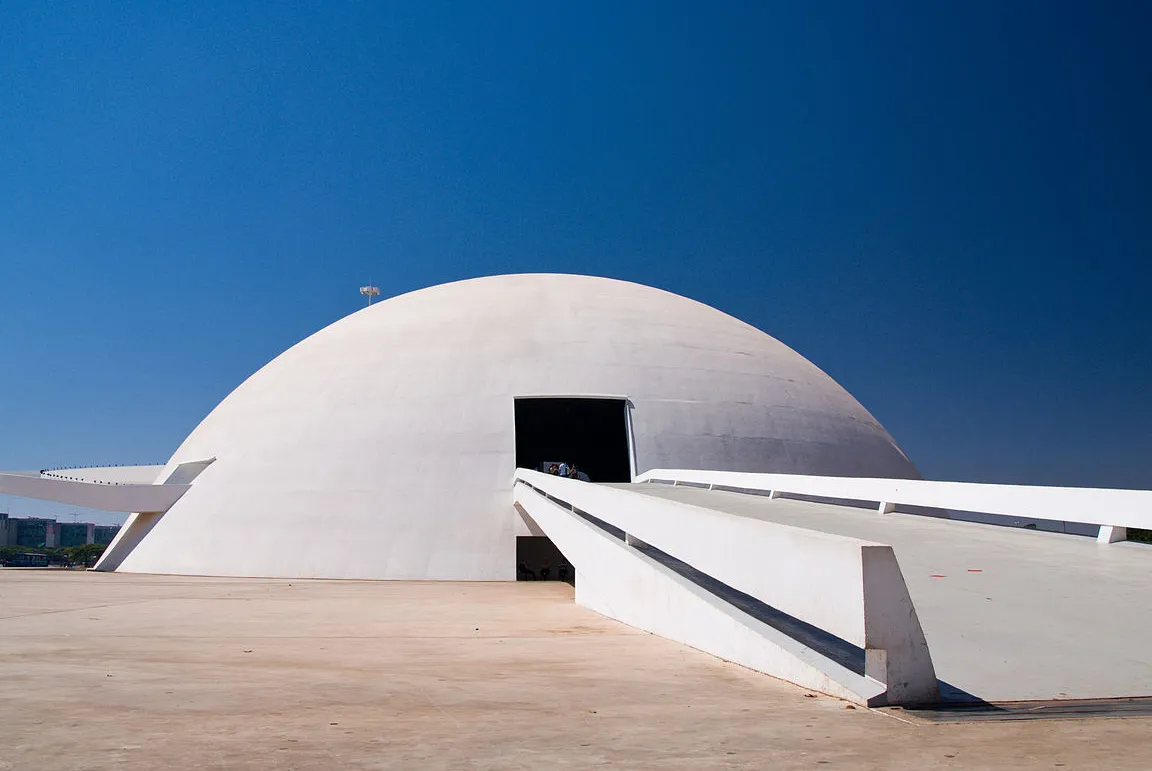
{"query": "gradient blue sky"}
[(946, 206)]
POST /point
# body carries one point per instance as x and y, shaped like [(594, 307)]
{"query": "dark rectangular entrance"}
[(592, 433)]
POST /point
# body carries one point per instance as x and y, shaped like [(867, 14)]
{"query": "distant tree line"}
[(84, 555)]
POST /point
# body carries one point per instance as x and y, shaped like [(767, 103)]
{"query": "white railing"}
[(1113, 510), (847, 587)]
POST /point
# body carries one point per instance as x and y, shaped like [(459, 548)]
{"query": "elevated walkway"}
[(93, 494), (126, 489), (135, 490), (1008, 614)]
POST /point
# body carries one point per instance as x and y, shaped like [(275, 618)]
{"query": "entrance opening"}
[(591, 433)]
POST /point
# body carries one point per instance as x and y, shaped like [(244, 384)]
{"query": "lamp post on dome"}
[(370, 292)]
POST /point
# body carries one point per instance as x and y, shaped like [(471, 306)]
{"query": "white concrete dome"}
[(384, 445)]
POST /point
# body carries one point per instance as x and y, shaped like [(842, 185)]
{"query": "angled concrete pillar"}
[(1112, 534)]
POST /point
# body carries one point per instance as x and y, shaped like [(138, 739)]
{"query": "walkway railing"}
[(1113, 510), (120, 474)]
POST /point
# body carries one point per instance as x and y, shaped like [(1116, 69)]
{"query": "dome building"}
[(384, 445)]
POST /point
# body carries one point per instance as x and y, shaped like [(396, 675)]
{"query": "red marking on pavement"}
[(971, 570), (935, 575)]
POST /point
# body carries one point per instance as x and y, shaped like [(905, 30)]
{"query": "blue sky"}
[(945, 205)]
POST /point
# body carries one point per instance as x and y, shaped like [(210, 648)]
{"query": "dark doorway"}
[(538, 559), (592, 433)]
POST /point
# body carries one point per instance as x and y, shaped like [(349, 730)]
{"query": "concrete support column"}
[(886, 508), (632, 540), (1112, 534)]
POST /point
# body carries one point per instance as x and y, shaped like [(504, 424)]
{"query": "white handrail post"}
[(1112, 534)]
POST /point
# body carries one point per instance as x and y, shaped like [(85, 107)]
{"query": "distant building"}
[(72, 533), (104, 533), (40, 532)]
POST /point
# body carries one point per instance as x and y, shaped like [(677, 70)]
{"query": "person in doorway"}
[(575, 473), (544, 571), (563, 469), (554, 470)]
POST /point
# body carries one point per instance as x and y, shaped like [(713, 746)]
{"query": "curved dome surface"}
[(383, 446)]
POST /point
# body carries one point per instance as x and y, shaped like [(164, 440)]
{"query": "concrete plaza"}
[(145, 672)]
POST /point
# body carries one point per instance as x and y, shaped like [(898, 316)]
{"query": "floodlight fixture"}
[(370, 292)]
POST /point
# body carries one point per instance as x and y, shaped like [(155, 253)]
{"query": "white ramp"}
[(1010, 614), (826, 612)]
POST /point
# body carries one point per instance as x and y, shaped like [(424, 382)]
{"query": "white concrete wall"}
[(850, 588), (383, 446), (1097, 506)]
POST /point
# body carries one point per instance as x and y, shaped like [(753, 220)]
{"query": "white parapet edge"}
[(1113, 510)]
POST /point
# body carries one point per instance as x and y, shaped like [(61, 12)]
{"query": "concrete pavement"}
[(111, 671)]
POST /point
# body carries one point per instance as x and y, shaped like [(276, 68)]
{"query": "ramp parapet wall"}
[(1113, 510), (107, 475)]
